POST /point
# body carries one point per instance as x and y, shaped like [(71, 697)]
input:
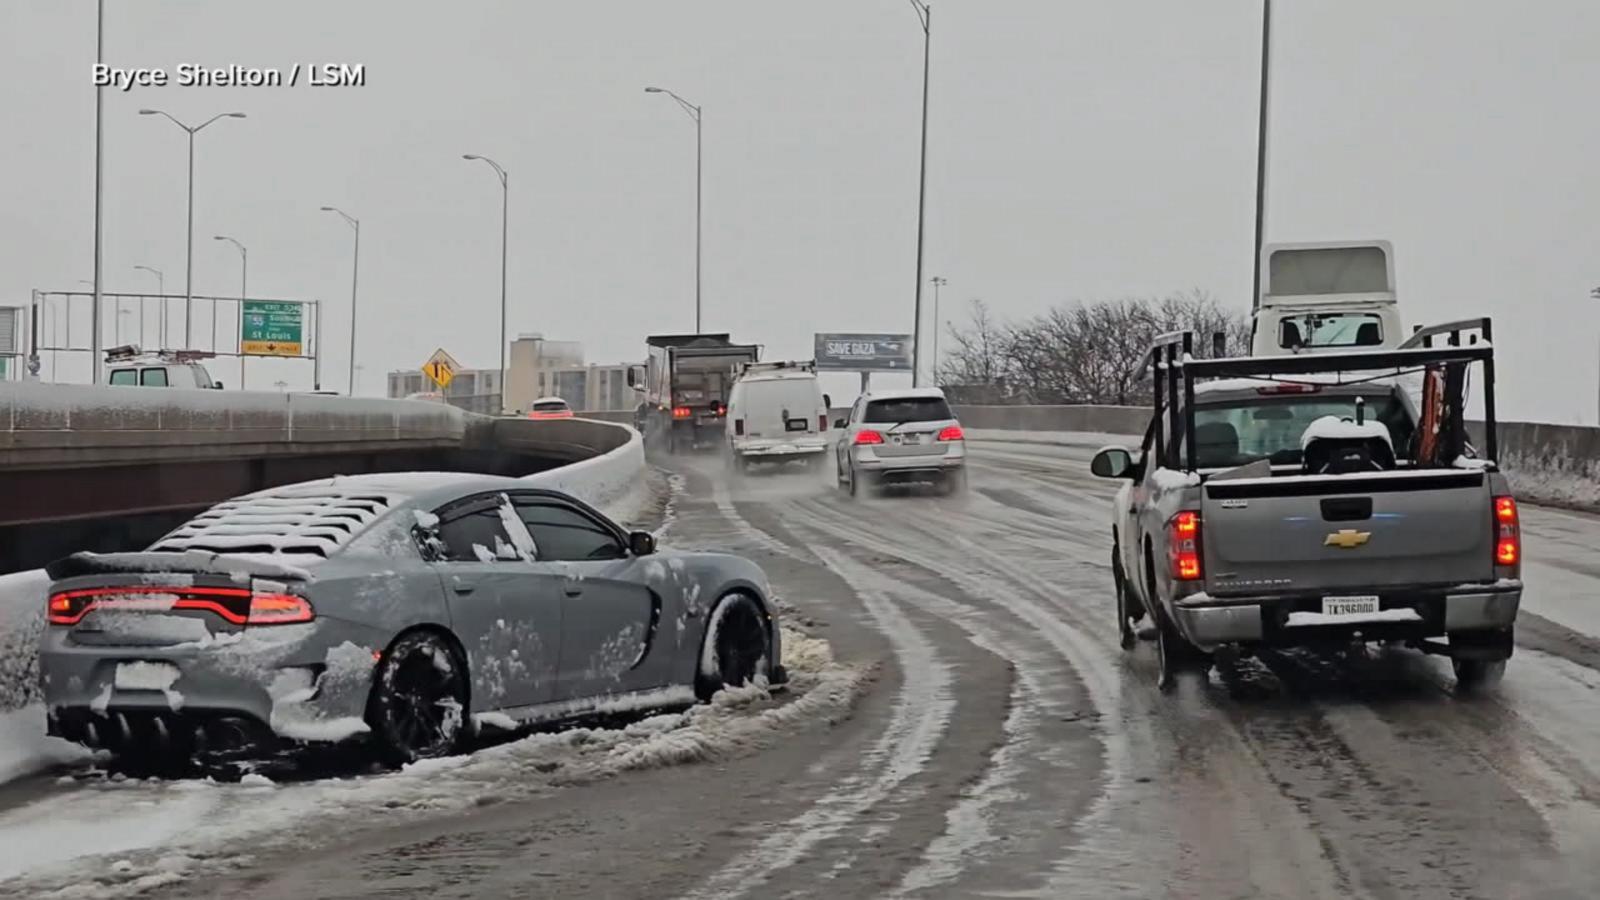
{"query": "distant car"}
[(550, 408), (777, 413), (903, 436), (411, 608), (427, 396)]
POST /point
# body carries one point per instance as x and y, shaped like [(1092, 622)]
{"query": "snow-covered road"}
[(981, 733)]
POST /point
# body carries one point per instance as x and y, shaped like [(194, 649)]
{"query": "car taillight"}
[(822, 422), (1183, 546), (738, 427), (682, 412), (1508, 533), (952, 433), (238, 606), (868, 437)]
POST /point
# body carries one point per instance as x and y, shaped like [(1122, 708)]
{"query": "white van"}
[(777, 413)]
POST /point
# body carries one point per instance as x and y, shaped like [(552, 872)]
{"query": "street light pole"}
[(505, 220), (1261, 151), (925, 18), (697, 114), (95, 340), (1596, 295), (355, 273), (937, 284), (244, 286), (188, 281)]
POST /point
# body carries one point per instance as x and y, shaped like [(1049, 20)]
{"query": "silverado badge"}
[(1347, 539)]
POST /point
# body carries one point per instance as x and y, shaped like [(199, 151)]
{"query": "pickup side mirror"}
[(839, 423), (1112, 462), (641, 543)]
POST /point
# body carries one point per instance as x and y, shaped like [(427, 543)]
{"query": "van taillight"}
[(738, 427), (238, 606), (822, 422), (1183, 546), (1508, 533)]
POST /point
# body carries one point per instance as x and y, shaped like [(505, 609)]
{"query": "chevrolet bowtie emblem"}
[(1347, 539)]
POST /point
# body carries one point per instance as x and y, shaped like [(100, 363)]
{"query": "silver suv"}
[(901, 437)]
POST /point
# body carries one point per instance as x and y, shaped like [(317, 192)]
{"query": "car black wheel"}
[(853, 485), (955, 482), (1478, 674), (419, 699), (736, 647), (1125, 633), (1175, 655)]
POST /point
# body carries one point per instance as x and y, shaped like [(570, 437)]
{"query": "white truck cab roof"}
[(131, 367), (1326, 296)]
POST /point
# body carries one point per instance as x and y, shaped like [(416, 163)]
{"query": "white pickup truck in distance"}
[(1298, 501)]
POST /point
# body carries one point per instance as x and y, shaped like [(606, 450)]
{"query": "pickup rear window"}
[(908, 409), (1233, 433)]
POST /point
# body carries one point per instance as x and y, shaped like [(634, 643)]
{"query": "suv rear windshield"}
[(908, 409), (551, 406), (1236, 432), (1330, 330)]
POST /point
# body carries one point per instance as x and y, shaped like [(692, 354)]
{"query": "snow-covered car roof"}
[(780, 375), (907, 394), (549, 400)]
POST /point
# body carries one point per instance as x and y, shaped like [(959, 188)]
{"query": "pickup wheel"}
[(1174, 654), (1478, 674), (1125, 633)]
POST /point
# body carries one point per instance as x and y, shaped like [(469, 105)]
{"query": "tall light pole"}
[(505, 208), (161, 288), (355, 272), (95, 369), (697, 114), (925, 19), (937, 284), (1261, 151), (188, 279), (1596, 295), (244, 286)]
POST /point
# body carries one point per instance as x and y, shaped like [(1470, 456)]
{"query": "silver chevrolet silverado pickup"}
[(1295, 501)]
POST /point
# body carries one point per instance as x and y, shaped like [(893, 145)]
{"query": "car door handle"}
[(572, 587), (463, 587)]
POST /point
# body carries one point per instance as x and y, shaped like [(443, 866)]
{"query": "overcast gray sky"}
[(1079, 150)]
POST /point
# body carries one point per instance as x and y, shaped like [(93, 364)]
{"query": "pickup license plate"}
[(1365, 604)]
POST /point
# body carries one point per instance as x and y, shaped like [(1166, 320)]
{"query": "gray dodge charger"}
[(407, 609)]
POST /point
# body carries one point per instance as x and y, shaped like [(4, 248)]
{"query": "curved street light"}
[(355, 272), (161, 291), (696, 113), (505, 212), (188, 279), (244, 286)]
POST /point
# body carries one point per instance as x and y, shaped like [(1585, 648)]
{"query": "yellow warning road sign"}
[(441, 368)]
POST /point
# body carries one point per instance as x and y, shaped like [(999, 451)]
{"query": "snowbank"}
[(614, 483), (24, 748), (1559, 481), (21, 623)]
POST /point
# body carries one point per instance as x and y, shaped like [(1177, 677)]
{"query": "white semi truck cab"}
[(1327, 296)]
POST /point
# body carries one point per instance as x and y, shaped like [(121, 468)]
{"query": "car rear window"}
[(908, 409), (1236, 432), (555, 406)]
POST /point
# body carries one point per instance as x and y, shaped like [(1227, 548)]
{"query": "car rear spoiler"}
[(193, 562)]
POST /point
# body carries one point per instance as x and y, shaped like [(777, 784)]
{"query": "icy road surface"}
[(981, 734)]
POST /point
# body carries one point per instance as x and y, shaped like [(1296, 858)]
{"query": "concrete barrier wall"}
[(59, 425), (1100, 419)]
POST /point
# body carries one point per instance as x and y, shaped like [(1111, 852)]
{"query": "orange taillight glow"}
[(952, 433), (1508, 532), (237, 606), (682, 412), (868, 437), (1183, 546)]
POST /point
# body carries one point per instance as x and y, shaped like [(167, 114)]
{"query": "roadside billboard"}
[(843, 352)]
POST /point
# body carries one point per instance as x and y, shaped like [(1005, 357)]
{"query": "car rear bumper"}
[(954, 457), (1213, 621), (776, 451), (301, 682)]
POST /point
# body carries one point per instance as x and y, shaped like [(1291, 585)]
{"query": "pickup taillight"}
[(1508, 534), (1183, 546)]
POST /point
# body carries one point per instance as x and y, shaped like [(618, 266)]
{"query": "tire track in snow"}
[(917, 723)]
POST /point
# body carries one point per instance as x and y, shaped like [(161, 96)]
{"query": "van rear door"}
[(781, 408)]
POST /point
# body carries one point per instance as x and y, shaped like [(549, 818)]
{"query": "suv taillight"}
[(1183, 546), (868, 437), (952, 433), (238, 606), (1508, 533)]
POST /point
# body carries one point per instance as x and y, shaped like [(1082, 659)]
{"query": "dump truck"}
[(685, 383)]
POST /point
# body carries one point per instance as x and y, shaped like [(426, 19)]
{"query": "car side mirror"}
[(838, 423), (216, 385), (641, 543), (1112, 462), (827, 402)]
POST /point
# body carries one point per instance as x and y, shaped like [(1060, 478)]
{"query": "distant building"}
[(535, 367), (474, 390), (588, 388)]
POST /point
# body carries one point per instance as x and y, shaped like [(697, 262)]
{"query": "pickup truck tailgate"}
[(1346, 531)]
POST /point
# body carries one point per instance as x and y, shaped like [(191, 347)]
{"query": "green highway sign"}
[(271, 328)]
